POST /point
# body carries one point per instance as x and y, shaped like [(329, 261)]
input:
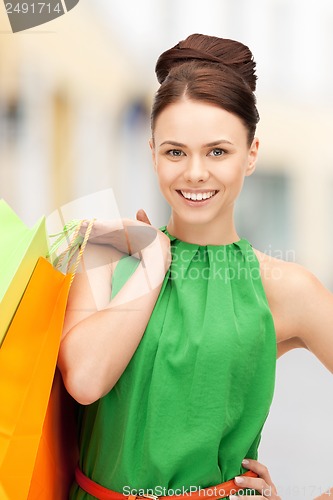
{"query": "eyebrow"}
[(208, 145)]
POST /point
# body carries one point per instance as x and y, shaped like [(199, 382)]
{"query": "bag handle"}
[(75, 243)]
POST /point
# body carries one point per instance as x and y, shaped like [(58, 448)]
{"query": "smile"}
[(197, 196)]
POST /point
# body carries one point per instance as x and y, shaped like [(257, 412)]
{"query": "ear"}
[(252, 157), (153, 154)]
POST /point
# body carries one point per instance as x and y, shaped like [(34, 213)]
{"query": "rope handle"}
[(75, 241), (81, 249)]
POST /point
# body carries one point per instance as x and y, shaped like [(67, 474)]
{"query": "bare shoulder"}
[(289, 287), (279, 274), (301, 306)]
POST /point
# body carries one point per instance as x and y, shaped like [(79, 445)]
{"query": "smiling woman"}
[(175, 375)]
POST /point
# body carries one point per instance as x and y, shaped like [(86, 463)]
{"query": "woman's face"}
[(201, 155)]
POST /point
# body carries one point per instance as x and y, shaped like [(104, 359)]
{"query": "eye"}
[(175, 153), (217, 152)]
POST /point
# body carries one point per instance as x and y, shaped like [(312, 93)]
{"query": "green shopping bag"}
[(20, 248)]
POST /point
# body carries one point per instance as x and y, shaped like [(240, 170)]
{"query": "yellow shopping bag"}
[(20, 248)]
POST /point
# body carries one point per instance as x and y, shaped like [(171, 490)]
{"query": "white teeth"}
[(198, 196)]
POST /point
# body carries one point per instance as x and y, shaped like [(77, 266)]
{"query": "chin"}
[(195, 219)]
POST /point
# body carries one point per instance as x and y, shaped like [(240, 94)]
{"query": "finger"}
[(260, 469), (254, 483), (142, 216)]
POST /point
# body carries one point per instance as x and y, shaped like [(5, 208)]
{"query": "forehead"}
[(189, 121)]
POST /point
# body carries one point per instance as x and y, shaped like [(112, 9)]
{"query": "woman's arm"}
[(301, 306), (305, 313), (314, 317), (100, 336)]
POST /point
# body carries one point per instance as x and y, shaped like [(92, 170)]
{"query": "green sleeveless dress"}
[(192, 402)]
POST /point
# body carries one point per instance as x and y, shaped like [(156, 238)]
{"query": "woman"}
[(182, 405)]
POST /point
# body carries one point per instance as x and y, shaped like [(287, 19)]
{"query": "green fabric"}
[(124, 269), (193, 400)]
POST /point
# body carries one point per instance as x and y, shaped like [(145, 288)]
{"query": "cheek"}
[(165, 173), (234, 171), (231, 175)]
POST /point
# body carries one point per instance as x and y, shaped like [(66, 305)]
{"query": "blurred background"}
[(75, 98)]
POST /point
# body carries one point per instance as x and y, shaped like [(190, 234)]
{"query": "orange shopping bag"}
[(27, 362), (58, 451)]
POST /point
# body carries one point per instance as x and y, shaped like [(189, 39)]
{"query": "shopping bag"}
[(58, 451), (27, 363), (20, 248)]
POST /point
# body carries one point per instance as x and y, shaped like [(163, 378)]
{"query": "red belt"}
[(212, 492)]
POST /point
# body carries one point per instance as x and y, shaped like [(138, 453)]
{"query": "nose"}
[(195, 171)]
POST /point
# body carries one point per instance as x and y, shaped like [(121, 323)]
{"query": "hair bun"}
[(209, 49)]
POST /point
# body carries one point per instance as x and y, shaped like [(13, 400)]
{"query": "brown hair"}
[(207, 68)]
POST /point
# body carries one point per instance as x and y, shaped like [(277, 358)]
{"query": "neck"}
[(216, 232)]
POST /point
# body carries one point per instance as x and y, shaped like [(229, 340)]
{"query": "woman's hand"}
[(126, 235), (133, 237), (129, 236), (263, 484), (159, 248)]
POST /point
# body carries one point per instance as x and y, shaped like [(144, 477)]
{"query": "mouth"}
[(197, 197)]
